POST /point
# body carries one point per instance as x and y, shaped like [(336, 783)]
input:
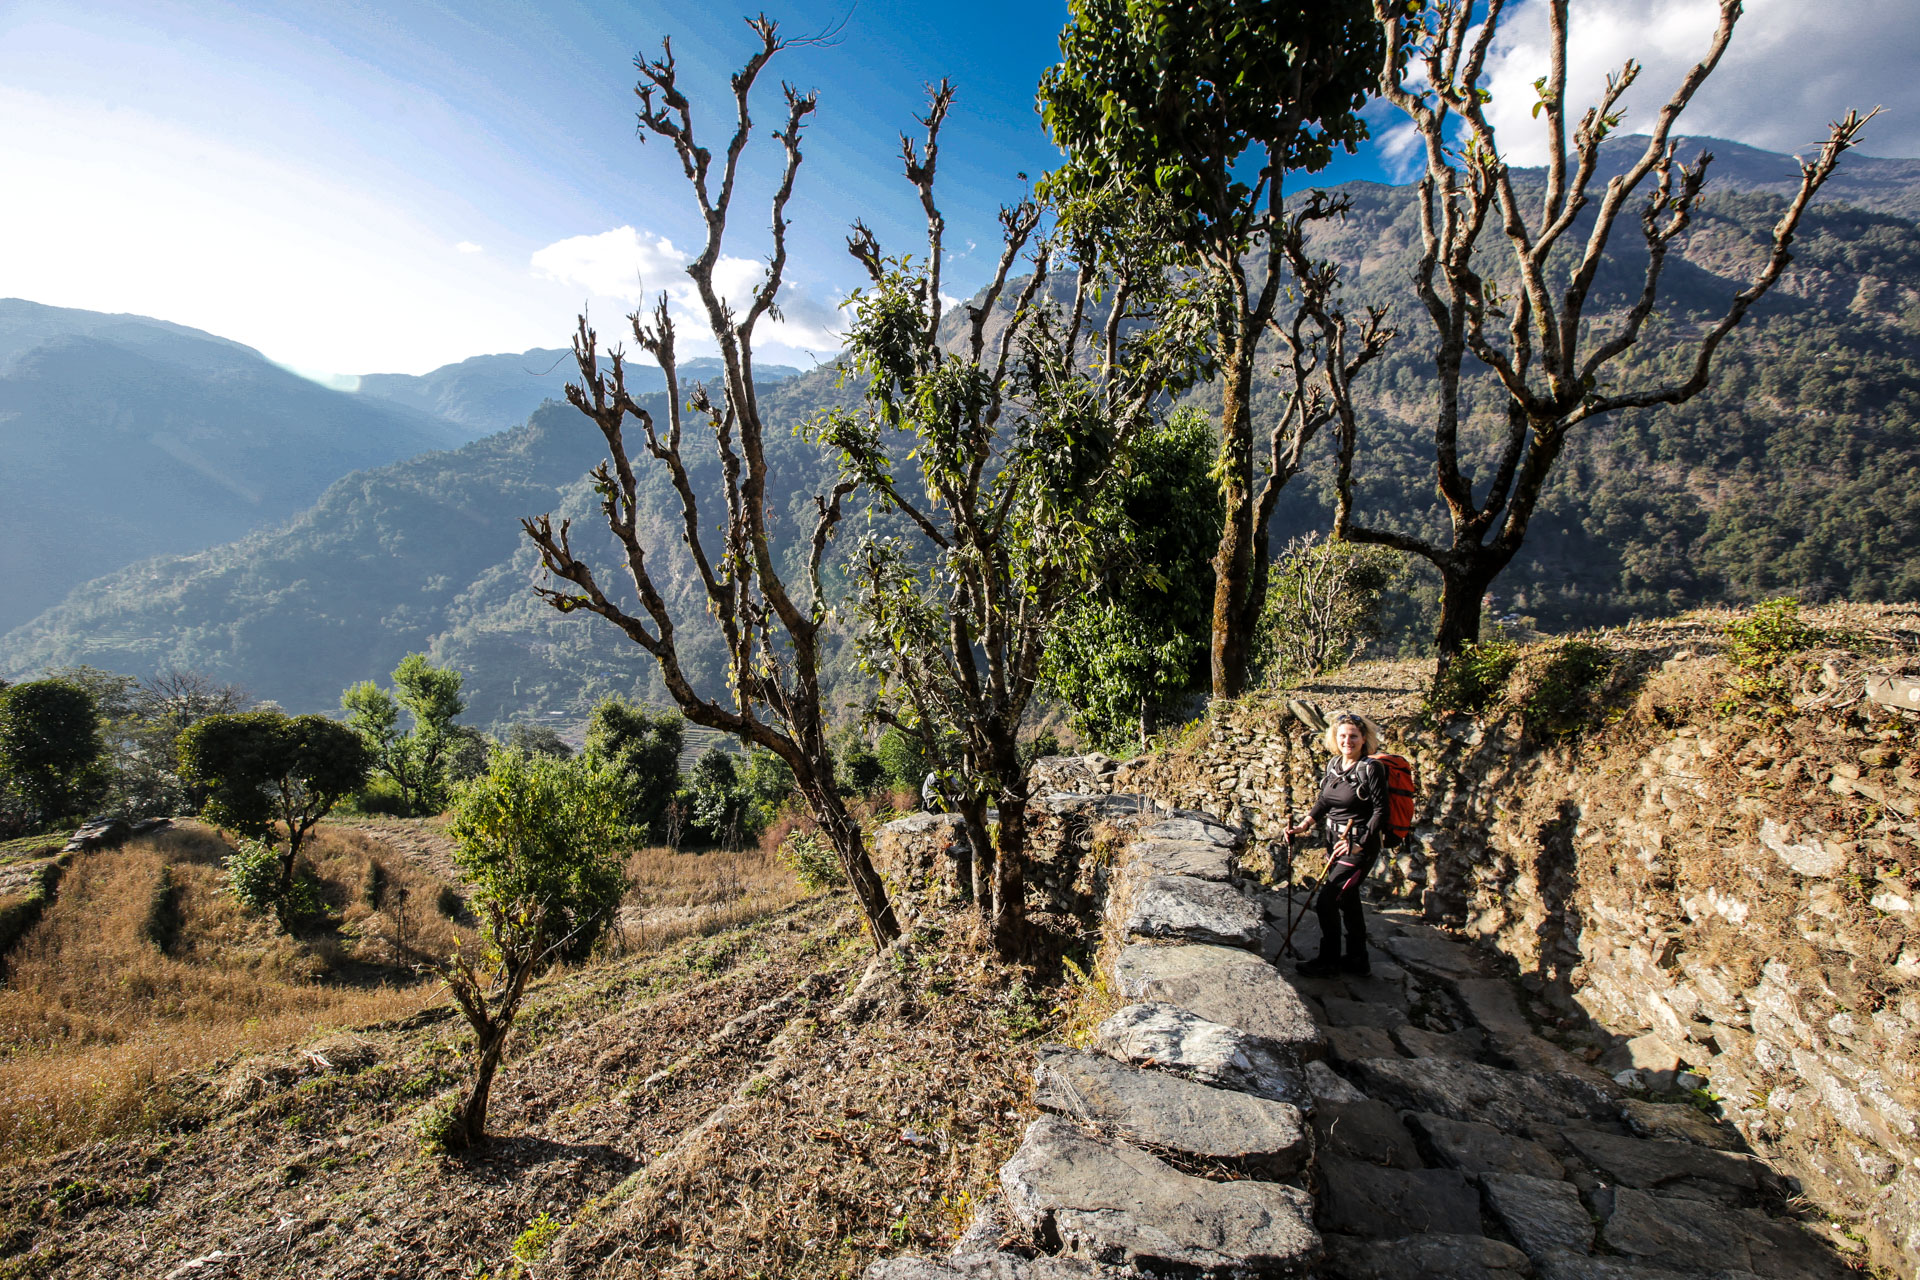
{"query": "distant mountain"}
[(491, 393), (1793, 473), (123, 438)]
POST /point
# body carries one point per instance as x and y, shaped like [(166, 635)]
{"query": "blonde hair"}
[(1369, 732)]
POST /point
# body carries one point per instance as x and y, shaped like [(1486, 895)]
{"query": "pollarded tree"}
[(772, 631), (1210, 105), (49, 745), (986, 453), (1507, 275), (260, 769), (538, 838)]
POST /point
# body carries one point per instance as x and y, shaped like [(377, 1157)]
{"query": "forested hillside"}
[(123, 438), (1791, 474)]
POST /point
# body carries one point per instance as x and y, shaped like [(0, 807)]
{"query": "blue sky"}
[(356, 188)]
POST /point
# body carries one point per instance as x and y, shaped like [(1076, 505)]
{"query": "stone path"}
[(1236, 1120)]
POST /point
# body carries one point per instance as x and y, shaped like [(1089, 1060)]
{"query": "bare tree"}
[(1553, 361), (985, 453), (772, 634)]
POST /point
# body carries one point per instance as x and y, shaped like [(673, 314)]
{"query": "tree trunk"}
[(868, 888), (973, 813), (1010, 875), (468, 1128), (1463, 586), (1233, 561)]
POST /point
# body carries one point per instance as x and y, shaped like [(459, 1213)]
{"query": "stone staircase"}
[(1235, 1120)]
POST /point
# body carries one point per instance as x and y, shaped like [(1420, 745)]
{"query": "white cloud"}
[(629, 265), (1790, 68), (468, 246)]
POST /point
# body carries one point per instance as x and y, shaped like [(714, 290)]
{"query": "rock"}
[(1366, 1200), (99, 833), (147, 826), (1367, 1131), (925, 856), (1676, 1122), (1894, 691), (1188, 909), (1641, 1162), (1194, 829), (1431, 1257), (1350, 1044), (1355, 1013), (1169, 1038), (1491, 1003), (991, 1266), (1472, 1091), (1107, 1202), (1812, 859), (1464, 1045), (1573, 1266), (1675, 1233), (1325, 1086), (1480, 1148), (1540, 1214), (1225, 985), (1430, 953), (1155, 1109), (1201, 858)]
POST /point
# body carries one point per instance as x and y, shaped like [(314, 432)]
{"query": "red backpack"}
[(1400, 795)]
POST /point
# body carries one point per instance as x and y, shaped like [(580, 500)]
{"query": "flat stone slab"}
[(1189, 909), (1351, 1044), (1225, 985), (1155, 1109), (1169, 1038), (1432, 954), (1194, 829), (1676, 1122), (1431, 1257), (1472, 1091), (1200, 858), (1107, 1202), (1645, 1162), (1691, 1234), (1365, 1200), (1570, 1266), (1481, 1148), (1342, 1012), (1327, 1086), (1542, 1215), (1464, 1045), (1367, 1131), (992, 1266)]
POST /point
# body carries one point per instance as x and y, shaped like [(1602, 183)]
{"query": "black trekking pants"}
[(1339, 900)]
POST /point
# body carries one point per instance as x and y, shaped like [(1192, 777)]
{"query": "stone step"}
[(1225, 985), (1189, 909), (1202, 859), (1154, 1109), (993, 1266), (1431, 1257), (1514, 1101), (1169, 1038), (1194, 828), (1104, 1201)]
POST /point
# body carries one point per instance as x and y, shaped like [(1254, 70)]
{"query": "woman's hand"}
[(1300, 830)]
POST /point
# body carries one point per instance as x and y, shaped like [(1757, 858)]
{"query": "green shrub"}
[(1475, 679), (1756, 645), (253, 873), (812, 860), (1560, 699)]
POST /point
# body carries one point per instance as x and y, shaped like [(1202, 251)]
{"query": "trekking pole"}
[(1286, 943), (1286, 846)]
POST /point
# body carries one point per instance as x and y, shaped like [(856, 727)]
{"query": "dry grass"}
[(144, 967), (672, 896)]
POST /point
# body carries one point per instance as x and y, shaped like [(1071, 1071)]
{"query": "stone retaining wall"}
[(1729, 895)]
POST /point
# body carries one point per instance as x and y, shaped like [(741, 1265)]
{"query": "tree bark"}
[(1010, 876), (973, 813), (1233, 561), (469, 1124), (850, 844)]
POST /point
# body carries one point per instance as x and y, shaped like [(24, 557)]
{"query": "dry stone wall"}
[(1727, 890)]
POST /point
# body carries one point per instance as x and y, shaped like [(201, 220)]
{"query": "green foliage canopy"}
[(643, 748), (418, 760), (49, 745)]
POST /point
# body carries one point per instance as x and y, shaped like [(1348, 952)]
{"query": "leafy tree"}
[(1209, 105), (1323, 606), (1554, 368), (538, 838), (537, 740), (985, 455), (49, 747), (140, 721), (262, 768), (643, 747), (717, 800), (903, 762), (418, 759), (860, 766), (1136, 647), (772, 633)]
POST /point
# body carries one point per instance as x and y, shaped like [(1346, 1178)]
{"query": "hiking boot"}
[(1321, 966), (1355, 962)]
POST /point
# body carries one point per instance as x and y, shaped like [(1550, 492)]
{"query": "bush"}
[(1475, 679), (1560, 700), (253, 873), (1756, 646), (1322, 607), (902, 763), (812, 860), (49, 746)]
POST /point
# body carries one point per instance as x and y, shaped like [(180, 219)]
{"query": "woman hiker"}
[(1352, 815)]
